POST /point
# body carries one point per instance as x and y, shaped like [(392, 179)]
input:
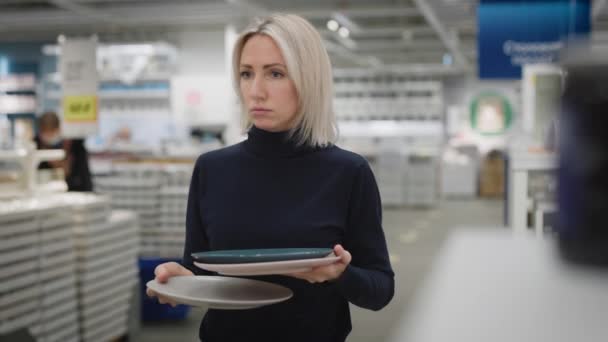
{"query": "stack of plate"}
[(229, 293), (390, 171), (20, 292), (38, 288), (172, 232), (173, 203), (139, 192), (107, 273), (59, 306)]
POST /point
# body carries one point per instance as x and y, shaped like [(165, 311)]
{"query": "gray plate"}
[(221, 292)]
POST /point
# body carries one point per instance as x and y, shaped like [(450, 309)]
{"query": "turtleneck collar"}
[(273, 144)]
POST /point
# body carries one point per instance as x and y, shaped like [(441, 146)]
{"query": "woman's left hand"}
[(327, 273)]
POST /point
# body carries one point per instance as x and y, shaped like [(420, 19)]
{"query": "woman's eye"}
[(245, 74), (276, 74)]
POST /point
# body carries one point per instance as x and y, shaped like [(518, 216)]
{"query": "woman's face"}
[(269, 94)]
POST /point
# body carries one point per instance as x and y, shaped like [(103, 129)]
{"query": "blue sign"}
[(513, 33)]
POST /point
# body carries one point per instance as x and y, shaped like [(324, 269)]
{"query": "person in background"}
[(75, 166), (288, 186)]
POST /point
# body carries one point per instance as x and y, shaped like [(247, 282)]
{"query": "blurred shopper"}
[(288, 186), (75, 166)]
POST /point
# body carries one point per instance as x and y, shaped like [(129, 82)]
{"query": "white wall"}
[(201, 52), (202, 91)]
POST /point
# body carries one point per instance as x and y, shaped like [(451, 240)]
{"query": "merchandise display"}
[(458, 175), (39, 289), (408, 177), (387, 96), (158, 193), (58, 256)]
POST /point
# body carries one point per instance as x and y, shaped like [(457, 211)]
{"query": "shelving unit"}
[(18, 101), (131, 94), (28, 159), (395, 120), (375, 95)]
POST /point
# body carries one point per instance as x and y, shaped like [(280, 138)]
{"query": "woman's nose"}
[(258, 88)]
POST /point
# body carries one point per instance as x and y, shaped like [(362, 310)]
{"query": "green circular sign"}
[(491, 113)]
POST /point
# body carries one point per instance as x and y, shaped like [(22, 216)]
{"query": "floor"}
[(414, 237)]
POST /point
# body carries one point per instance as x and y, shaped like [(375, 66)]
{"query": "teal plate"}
[(244, 256)]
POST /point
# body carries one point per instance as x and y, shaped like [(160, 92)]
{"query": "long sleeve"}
[(368, 281), (196, 241)]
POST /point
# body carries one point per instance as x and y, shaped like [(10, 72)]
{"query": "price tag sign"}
[(78, 66), (80, 108)]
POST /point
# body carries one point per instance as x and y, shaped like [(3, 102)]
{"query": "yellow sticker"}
[(80, 108)]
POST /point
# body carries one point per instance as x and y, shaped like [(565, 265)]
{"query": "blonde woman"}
[(287, 186)]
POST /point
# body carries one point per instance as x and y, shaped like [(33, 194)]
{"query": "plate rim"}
[(298, 262), (224, 302), (229, 251)]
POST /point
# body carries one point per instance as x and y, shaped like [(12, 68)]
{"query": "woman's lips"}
[(259, 111)]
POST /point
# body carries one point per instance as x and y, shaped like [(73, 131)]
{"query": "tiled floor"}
[(414, 237)]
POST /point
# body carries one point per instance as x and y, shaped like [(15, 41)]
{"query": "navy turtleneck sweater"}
[(268, 192)]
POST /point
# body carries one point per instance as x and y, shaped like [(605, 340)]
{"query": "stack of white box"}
[(173, 221), (139, 192), (107, 269), (390, 170), (458, 177), (20, 292), (38, 265), (159, 195), (422, 180), (174, 200), (59, 318)]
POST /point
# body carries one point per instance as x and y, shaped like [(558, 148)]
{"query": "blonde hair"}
[(308, 66)]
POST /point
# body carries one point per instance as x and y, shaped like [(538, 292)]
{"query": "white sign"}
[(79, 80)]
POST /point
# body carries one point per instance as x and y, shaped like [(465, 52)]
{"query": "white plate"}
[(221, 292), (268, 268)]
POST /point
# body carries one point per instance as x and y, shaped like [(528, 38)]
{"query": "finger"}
[(167, 270), (161, 274), (338, 249), (345, 256), (176, 269), (150, 293), (298, 275), (306, 276)]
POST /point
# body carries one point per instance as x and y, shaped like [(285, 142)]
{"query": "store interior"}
[(459, 107)]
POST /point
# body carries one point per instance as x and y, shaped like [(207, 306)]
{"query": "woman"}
[(288, 186), (75, 166)]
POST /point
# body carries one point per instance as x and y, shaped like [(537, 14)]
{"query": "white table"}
[(493, 285), (520, 163)]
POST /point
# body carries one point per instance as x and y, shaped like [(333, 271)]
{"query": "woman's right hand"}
[(162, 274)]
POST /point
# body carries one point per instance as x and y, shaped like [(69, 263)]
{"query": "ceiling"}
[(381, 32)]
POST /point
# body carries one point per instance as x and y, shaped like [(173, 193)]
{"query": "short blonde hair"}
[(308, 66)]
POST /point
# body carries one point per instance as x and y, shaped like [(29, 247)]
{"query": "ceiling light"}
[(343, 32), (333, 25), (345, 21)]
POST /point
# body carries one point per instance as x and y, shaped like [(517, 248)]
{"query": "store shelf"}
[(121, 94), (365, 95)]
